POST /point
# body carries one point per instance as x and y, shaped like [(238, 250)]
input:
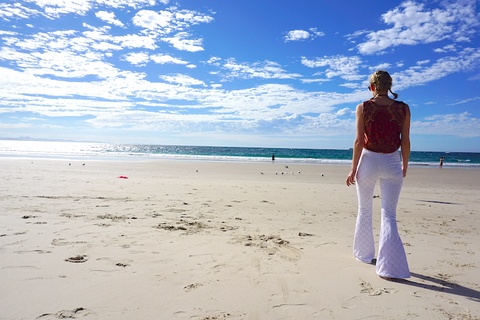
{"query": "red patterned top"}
[(383, 125)]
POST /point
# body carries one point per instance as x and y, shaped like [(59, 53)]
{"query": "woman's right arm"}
[(357, 145), (405, 141)]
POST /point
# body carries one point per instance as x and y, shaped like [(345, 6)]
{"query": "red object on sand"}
[(122, 177)]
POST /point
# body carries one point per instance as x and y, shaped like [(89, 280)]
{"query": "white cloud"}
[(382, 66), (165, 22), (165, 58), (192, 17), (345, 111), (316, 33), (345, 67), (214, 61), (108, 103), (135, 41), (459, 124), (16, 11), (447, 48), (10, 33), (264, 70), (414, 24), (351, 85), (64, 64), (297, 35), (320, 81), (109, 17), (138, 59), (105, 46), (423, 62), (356, 34), (14, 125), (55, 8), (149, 19), (179, 42), (474, 78), (183, 80), (465, 101), (466, 60), (51, 126)]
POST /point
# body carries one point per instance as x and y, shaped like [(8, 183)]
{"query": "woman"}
[(383, 125)]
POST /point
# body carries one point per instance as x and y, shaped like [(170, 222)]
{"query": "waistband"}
[(373, 152)]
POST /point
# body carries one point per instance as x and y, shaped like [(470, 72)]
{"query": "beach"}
[(227, 240)]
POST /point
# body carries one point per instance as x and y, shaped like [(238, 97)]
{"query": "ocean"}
[(107, 151)]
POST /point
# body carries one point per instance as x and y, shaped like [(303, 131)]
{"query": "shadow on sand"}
[(440, 284)]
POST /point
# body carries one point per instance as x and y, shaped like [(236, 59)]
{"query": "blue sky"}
[(236, 73)]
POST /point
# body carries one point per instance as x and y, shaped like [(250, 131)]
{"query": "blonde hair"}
[(382, 81)]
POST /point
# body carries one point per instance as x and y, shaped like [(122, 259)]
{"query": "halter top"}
[(383, 126)]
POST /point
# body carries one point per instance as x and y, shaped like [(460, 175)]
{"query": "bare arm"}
[(405, 142), (357, 145)]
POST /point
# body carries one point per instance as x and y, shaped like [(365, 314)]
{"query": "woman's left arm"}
[(405, 141)]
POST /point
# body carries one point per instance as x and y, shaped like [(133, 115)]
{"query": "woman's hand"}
[(351, 178)]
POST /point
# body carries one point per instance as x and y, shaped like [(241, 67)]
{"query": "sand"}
[(222, 240)]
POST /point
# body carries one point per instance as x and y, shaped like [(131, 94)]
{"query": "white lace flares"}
[(391, 259)]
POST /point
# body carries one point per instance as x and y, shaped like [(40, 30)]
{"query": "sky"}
[(244, 73)]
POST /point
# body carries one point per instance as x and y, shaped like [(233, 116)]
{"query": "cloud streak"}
[(413, 24)]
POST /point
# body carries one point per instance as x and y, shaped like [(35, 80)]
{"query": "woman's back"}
[(383, 121)]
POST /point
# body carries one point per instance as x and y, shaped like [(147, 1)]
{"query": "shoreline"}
[(281, 161)]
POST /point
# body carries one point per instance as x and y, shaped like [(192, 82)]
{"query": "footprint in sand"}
[(33, 251), (65, 314), (192, 286), (271, 245), (77, 259), (367, 288), (63, 242), (122, 264)]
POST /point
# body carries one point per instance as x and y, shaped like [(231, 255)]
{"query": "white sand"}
[(226, 242)]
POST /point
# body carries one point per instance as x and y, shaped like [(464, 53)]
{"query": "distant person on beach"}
[(441, 162), (273, 157), (383, 125)]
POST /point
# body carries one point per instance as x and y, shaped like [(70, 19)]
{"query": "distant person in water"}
[(383, 126), (441, 162), (273, 157)]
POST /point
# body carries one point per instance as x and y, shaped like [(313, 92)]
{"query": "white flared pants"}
[(391, 259)]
